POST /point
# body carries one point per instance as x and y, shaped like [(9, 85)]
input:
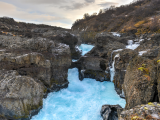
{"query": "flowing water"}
[(82, 100), (85, 48)]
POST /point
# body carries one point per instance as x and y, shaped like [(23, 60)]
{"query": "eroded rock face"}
[(39, 63), (109, 112), (66, 38), (148, 111), (121, 64), (19, 95), (139, 86)]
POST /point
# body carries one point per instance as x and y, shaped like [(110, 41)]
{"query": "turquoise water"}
[(82, 100), (85, 48)]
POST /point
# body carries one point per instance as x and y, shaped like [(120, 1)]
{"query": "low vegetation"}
[(139, 17)]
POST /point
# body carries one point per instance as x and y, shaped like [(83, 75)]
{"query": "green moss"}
[(89, 36), (2, 117), (117, 83), (135, 118), (150, 103), (45, 90), (53, 81)]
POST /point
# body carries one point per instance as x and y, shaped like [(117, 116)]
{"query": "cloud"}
[(90, 1), (46, 1), (75, 6), (53, 12), (106, 4), (25, 16)]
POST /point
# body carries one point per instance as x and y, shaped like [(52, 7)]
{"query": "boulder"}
[(140, 83), (19, 95), (92, 67), (109, 112)]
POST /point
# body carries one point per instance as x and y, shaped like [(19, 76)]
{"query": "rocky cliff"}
[(35, 60), (32, 65), (133, 60)]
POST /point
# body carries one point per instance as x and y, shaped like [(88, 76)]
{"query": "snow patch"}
[(142, 52)]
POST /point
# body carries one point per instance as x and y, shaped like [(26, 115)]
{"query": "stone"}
[(109, 112), (148, 111), (19, 95)]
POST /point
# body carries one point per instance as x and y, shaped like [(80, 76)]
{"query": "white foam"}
[(74, 60), (131, 45), (112, 69), (82, 100), (117, 50), (116, 34)]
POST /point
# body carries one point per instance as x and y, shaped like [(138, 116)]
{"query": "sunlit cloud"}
[(53, 12)]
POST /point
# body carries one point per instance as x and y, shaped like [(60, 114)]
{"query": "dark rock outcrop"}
[(90, 67), (70, 40), (109, 112)]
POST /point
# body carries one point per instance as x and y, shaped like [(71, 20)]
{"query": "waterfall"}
[(112, 69)]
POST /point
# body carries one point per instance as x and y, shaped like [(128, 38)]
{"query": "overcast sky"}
[(53, 12)]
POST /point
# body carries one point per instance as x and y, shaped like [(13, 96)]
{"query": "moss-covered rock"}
[(139, 87), (148, 111)]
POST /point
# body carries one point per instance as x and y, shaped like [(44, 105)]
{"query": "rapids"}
[(82, 100)]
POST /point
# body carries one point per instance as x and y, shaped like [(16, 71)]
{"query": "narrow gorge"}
[(106, 67), (82, 100)]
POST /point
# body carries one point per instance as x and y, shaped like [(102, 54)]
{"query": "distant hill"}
[(9, 25), (139, 17)]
